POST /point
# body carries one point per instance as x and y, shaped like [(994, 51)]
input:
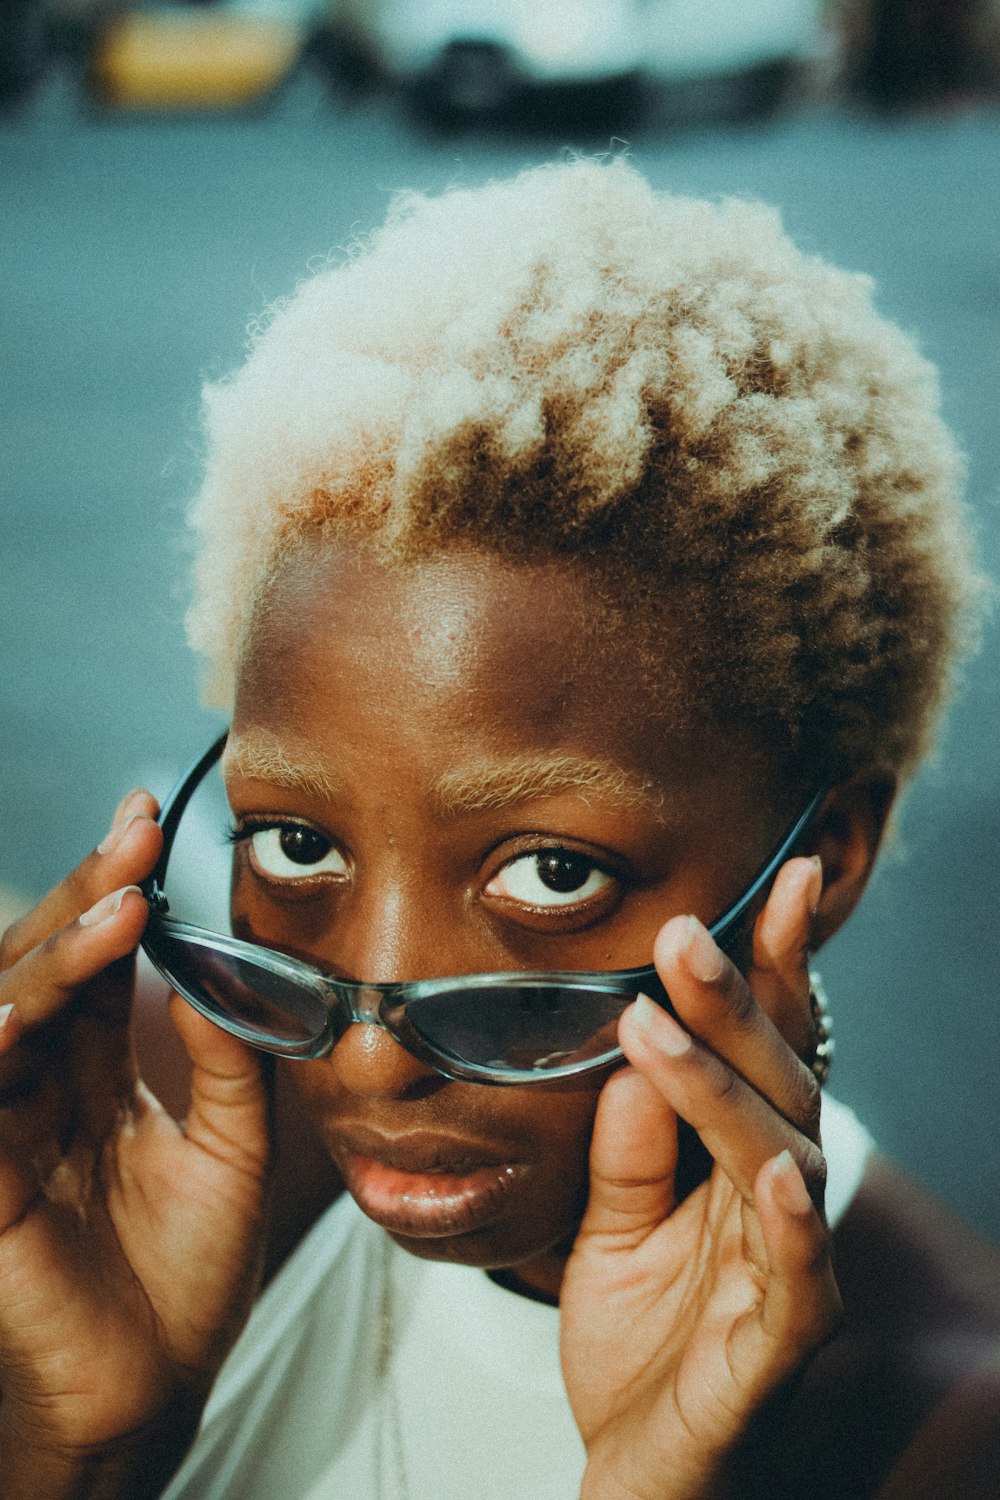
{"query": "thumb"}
[(633, 1161), (231, 1106)]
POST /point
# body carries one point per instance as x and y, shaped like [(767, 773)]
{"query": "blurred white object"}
[(691, 39), (477, 54)]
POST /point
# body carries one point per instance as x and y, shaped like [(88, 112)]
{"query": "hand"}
[(129, 1245), (678, 1319)]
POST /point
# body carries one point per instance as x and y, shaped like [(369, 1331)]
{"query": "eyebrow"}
[(480, 786), (261, 755), (486, 785)]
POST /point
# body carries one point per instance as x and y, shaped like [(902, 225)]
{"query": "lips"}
[(423, 1185)]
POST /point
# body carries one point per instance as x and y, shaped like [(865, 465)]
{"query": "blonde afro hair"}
[(571, 364)]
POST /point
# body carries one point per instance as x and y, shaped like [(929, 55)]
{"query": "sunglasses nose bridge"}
[(365, 1005), (356, 1002)]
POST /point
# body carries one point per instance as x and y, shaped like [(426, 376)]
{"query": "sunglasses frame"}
[(385, 1005)]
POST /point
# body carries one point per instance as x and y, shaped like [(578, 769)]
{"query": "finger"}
[(715, 1003), (11, 1029), (633, 1160), (17, 1067), (230, 1111), (124, 857), (45, 981), (801, 1305), (737, 1126), (779, 969), (18, 1189)]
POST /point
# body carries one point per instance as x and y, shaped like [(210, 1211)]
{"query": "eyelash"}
[(242, 833), (552, 901)]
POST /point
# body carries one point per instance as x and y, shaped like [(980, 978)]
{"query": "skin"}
[(420, 664), (140, 1242)]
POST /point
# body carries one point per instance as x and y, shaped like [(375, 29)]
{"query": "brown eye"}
[(303, 846), (549, 877), (291, 850), (563, 871)]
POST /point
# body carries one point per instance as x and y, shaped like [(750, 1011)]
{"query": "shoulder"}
[(904, 1402), (921, 1292), (916, 1276)]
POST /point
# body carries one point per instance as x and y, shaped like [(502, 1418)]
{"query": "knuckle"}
[(52, 959), (812, 1165), (722, 1083), (807, 1099), (743, 1008), (81, 882), (11, 944), (46, 958)]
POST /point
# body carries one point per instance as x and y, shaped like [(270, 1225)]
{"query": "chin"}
[(506, 1249)]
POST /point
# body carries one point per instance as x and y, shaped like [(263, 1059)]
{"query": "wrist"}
[(680, 1481), (135, 1466), (605, 1489)]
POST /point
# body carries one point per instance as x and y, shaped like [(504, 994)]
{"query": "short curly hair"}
[(570, 364)]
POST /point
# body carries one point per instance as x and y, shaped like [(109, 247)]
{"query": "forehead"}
[(466, 641), (464, 683)]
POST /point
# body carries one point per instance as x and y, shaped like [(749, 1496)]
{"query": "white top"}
[(367, 1374)]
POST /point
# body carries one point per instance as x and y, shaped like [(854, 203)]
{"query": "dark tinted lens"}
[(533, 1027), (264, 1005)]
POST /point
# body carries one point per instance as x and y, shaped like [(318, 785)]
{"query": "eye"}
[(290, 851), (550, 877)]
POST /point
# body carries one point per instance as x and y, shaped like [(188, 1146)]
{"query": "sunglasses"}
[(516, 1028)]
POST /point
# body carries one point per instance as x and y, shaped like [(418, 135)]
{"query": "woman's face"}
[(460, 768)]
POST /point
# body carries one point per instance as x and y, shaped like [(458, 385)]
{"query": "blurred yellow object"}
[(182, 59)]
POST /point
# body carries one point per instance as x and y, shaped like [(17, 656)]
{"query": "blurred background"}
[(168, 170)]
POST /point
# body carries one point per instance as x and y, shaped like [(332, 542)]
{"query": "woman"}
[(570, 558)]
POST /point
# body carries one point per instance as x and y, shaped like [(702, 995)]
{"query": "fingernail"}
[(6, 1011), (660, 1027), (120, 820), (792, 1192), (815, 887), (107, 907), (116, 835), (701, 955)]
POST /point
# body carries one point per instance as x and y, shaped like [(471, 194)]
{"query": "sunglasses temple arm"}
[(173, 810), (732, 920)]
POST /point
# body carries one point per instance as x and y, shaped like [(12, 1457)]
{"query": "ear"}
[(846, 834)]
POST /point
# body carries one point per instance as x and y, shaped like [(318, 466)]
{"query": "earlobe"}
[(847, 834)]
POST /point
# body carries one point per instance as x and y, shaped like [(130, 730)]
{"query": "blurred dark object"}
[(737, 60), (461, 60), (23, 48), (920, 52)]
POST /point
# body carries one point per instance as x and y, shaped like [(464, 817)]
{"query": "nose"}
[(381, 941), (371, 1064)]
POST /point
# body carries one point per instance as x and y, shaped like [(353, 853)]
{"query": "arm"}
[(956, 1454)]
